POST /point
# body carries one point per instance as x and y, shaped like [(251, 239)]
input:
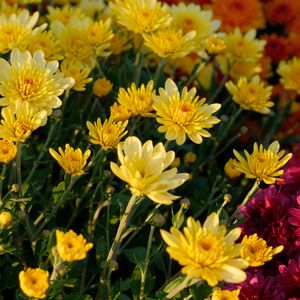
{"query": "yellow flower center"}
[(184, 113), (22, 128)]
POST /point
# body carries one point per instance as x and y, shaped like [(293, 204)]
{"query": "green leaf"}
[(174, 284), (58, 191), (135, 255)]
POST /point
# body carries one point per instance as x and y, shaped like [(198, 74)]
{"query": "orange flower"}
[(277, 47), (246, 14)]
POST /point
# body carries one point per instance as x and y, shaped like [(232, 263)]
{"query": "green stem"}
[(195, 73), (1, 181), (186, 283), (218, 90), (158, 72), (18, 167)]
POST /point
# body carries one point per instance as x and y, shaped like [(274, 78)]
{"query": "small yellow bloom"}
[(219, 294), (119, 113), (256, 251), (72, 161), (214, 45), (102, 87), (207, 252), (189, 158), (137, 100), (143, 167), (253, 95), (34, 283), (108, 134), (120, 42), (183, 114), (176, 162), (63, 14), (5, 219), (230, 171), (8, 151), (71, 246), (263, 164)]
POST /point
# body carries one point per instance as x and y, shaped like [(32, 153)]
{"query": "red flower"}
[(277, 47), (294, 219)]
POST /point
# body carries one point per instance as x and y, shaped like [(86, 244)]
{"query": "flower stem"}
[(1, 181), (186, 283), (18, 167), (158, 71)]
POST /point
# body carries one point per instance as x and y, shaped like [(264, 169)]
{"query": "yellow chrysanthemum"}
[(140, 16), (143, 167), (78, 71), (8, 151), (34, 283), (252, 95), (138, 101), (102, 87), (256, 251), (108, 134), (230, 171), (219, 294), (30, 79), (190, 17), (119, 113), (5, 219), (91, 8), (171, 43), (20, 121), (15, 30), (183, 114), (214, 45), (263, 164), (64, 14), (207, 252), (71, 246), (120, 42), (9, 8), (289, 72), (72, 161)]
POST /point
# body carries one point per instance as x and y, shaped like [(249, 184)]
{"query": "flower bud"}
[(5, 219), (102, 87)]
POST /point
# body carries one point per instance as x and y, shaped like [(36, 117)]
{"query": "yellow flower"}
[(102, 87), (175, 163), (252, 95), (263, 164), (143, 167), (140, 16), (78, 71), (34, 283), (72, 161), (108, 134), (92, 8), (230, 170), (219, 294), (137, 100), (8, 151), (119, 113), (256, 251), (20, 121), (64, 14), (289, 72), (183, 114), (189, 158), (171, 43), (207, 252), (30, 79), (214, 45), (5, 219), (120, 42), (71, 246)]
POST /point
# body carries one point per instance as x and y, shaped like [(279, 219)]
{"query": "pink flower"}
[(294, 219)]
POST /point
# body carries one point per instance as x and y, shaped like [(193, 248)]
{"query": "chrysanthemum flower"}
[(119, 112), (30, 79), (108, 134), (92, 8), (72, 161), (102, 87), (246, 14), (277, 47), (64, 14), (120, 42), (171, 43), (71, 246), (78, 71), (5, 219), (230, 171), (8, 151), (219, 294), (20, 121), (252, 95), (183, 114), (256, 251), (143, 167), (34, 283), (140, 16), (138, 101), (207, 252), (214, 45), (290, 74), (8, 8), (263, 164)]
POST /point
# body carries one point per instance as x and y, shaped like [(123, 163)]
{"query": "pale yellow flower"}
[(251, 95), (34, 283), (207, 252), (108, 134), (72, 161), (71, 246), (183, 114), (91, 8), (102, 87), (9, 8), (143, 167), (64, 14), (5, 219), (219, 294), (30, 79), (263, 164), (256, 251), (8, 151)]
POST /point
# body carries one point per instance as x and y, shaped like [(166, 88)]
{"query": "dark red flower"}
[(294, 219), (277, 47)]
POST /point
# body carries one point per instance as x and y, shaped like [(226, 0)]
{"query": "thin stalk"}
[(194, 75), (1, 181), (186, 283), (158, 71), (18, 167), (218, 90)]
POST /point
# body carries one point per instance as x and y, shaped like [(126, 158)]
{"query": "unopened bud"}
[(185, 203), (227, 198), (158, 220)]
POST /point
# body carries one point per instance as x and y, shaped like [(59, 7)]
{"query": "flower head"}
[(207, 252), (30, 79), (108, 134), (183, 114), (72, 161), (230, 171), (34, 283), (64, 13), (5, 219), (219, 294), (71, 246), (8, 151), (143, 167), (253, 95), (214, 45), (119, 112), (102, 87), (263, 164)]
